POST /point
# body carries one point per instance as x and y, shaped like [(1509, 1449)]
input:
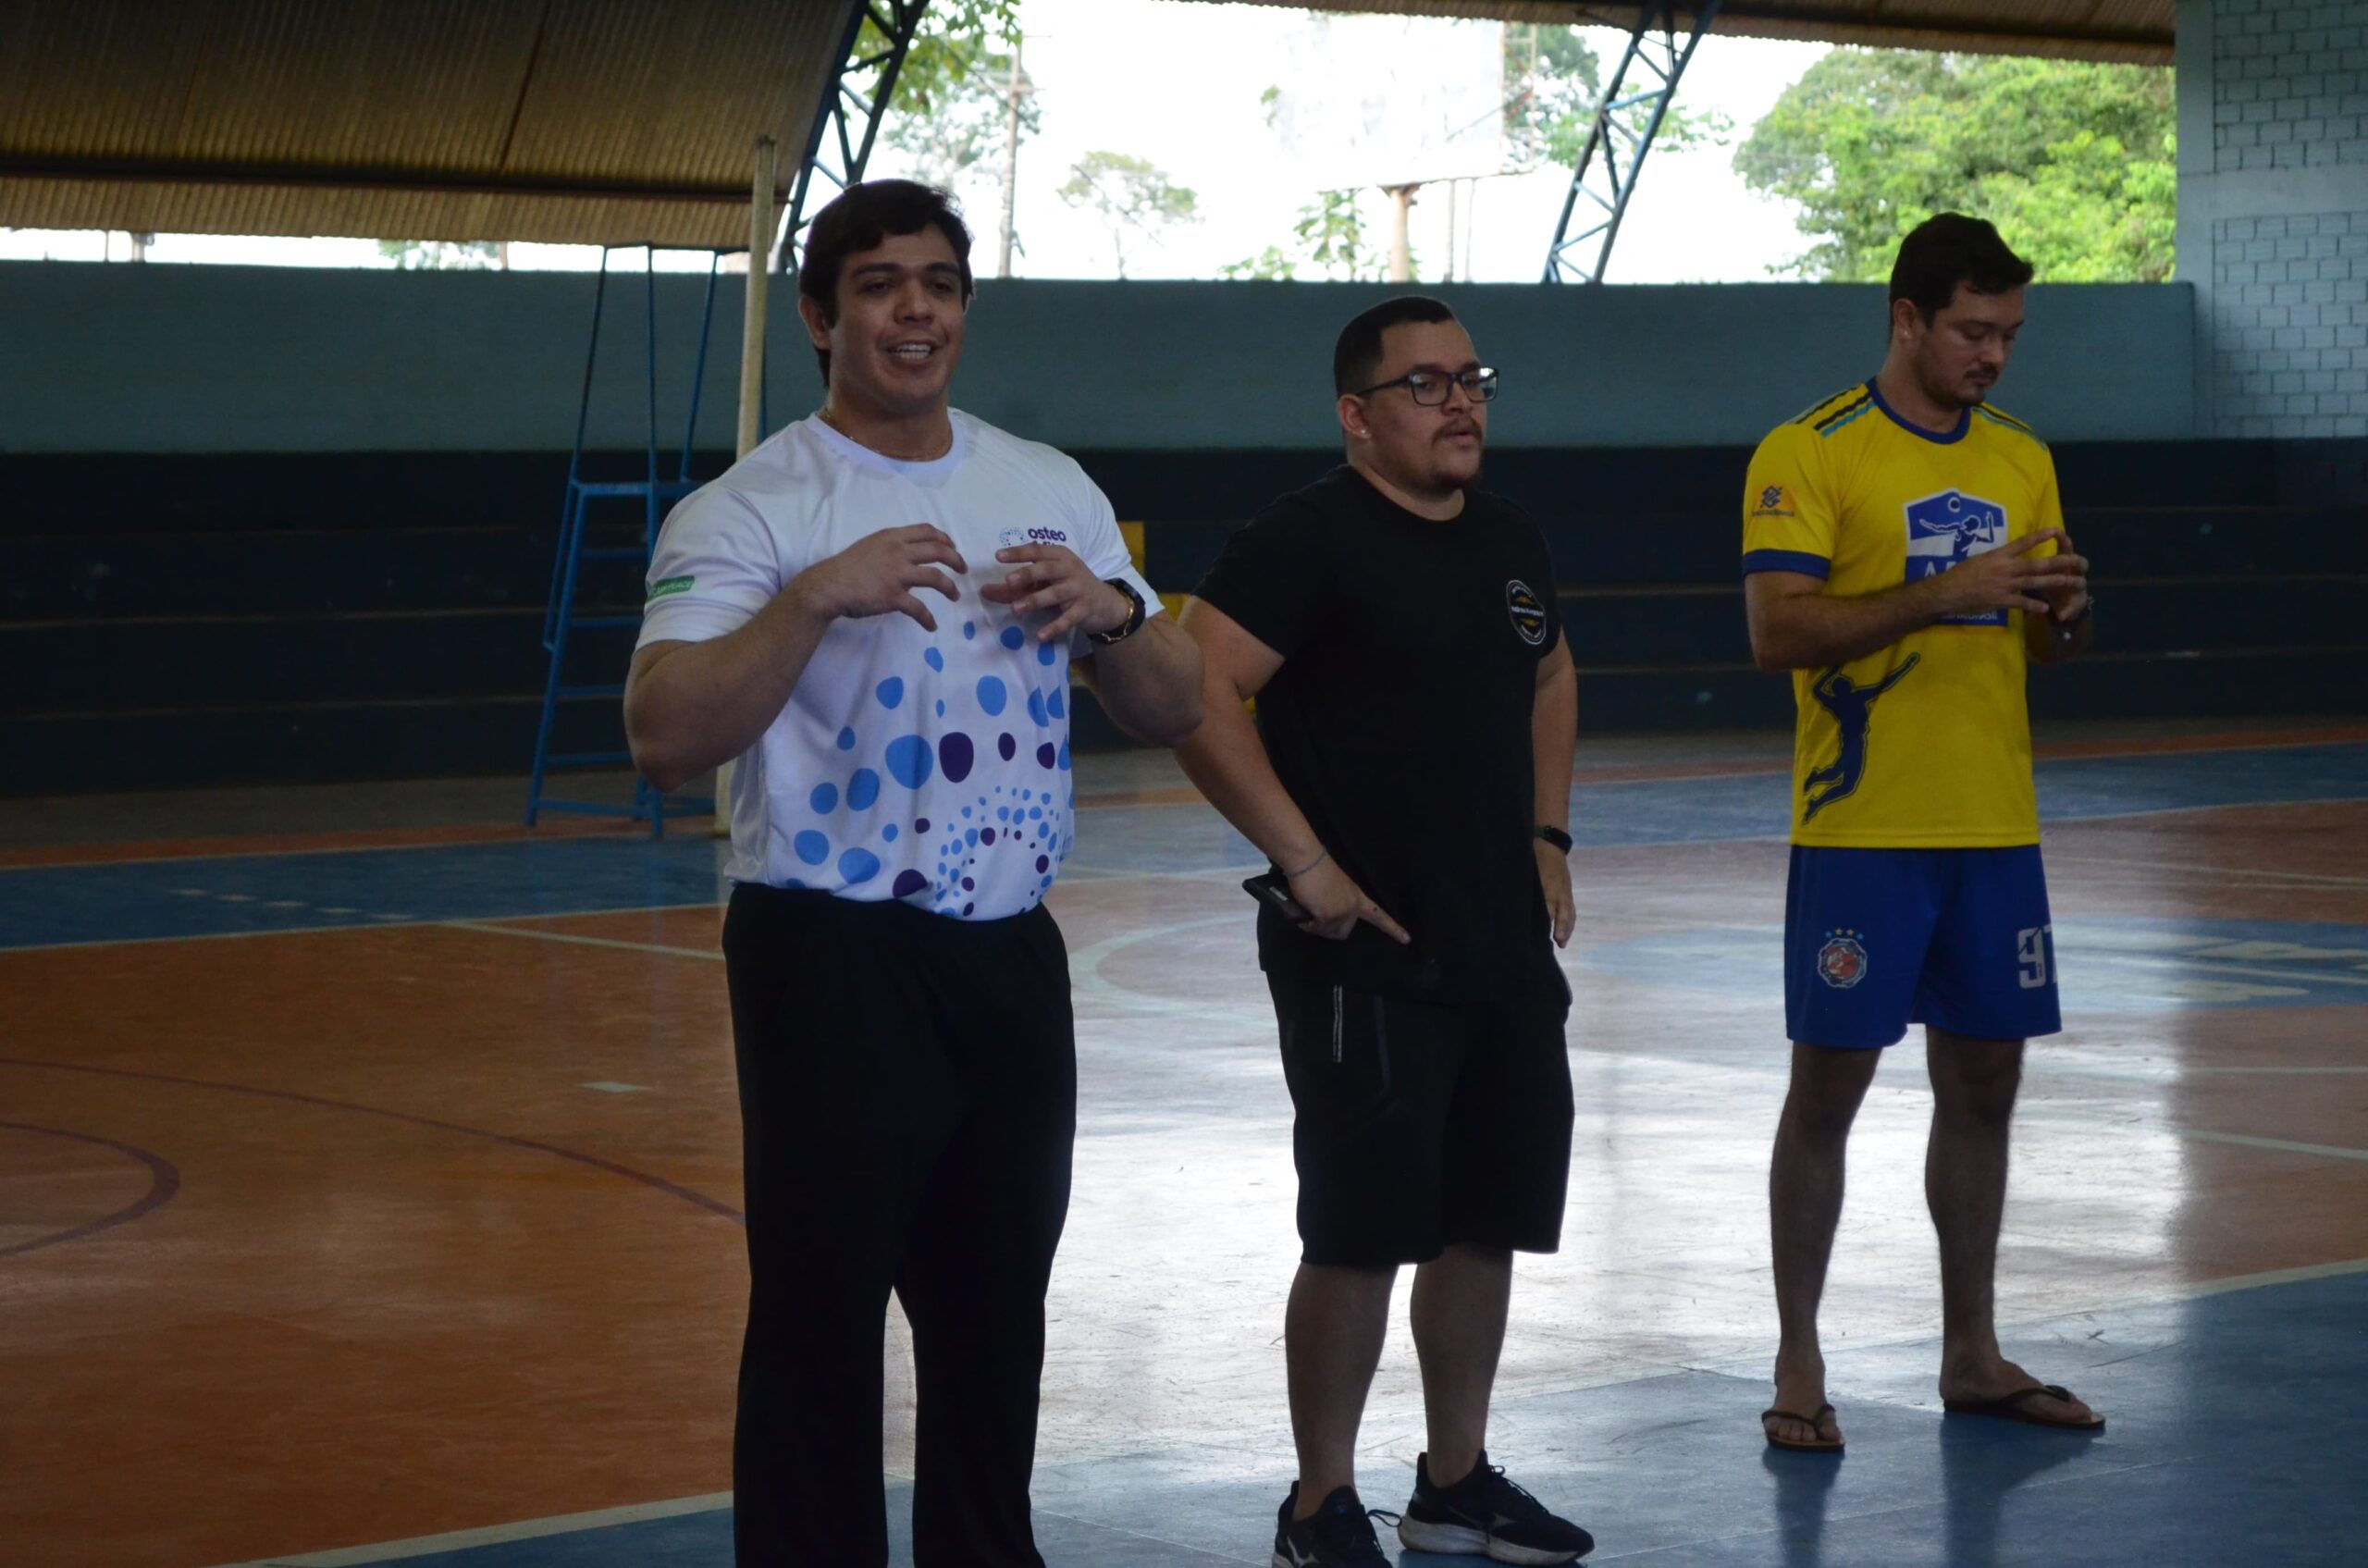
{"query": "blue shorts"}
[(1878, 939)]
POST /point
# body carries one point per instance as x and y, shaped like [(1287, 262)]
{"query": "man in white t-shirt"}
[(873, 614)]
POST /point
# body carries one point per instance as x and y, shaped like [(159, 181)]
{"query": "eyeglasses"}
[(1428, 387)]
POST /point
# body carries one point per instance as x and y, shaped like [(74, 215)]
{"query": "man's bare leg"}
[(1332, 1337), (1461, 1300), (1974, 1083), (1804, 1207)]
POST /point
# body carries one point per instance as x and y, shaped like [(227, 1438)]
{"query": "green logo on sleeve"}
[(667, 587)]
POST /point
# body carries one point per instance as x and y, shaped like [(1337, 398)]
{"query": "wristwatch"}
[(1131, 625), (1556, 838)]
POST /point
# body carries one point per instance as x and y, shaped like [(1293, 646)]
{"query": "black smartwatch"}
[(1556, 838), (1131, 625)]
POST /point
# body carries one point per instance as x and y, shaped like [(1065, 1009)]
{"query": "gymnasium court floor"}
[(369, 1186)]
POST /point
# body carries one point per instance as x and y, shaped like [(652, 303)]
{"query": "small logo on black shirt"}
[(1528, 613)]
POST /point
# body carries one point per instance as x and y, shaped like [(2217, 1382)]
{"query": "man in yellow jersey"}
[(1904, 555)]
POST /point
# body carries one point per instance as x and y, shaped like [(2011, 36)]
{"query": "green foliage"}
[(952, 100), (1552, 78), (2076, 163), (1552, 81), (1273, 264), (1132, 196), (1330, 236), (441, 255)]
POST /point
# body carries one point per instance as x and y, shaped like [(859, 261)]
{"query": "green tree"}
[(953, 95), (1553, 80), (1133, 197), (1330, 236), (2077, 162)]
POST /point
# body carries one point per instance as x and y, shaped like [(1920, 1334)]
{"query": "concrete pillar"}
[(2273, 221)]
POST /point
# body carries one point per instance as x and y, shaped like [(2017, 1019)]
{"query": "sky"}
[(1365, 99)]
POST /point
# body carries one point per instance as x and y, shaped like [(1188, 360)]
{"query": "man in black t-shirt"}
[(1408, 775)]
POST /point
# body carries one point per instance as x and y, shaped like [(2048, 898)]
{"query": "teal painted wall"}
[(186, 359)]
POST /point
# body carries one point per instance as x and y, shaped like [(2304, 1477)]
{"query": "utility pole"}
[(1401, 254), (1012, 91)]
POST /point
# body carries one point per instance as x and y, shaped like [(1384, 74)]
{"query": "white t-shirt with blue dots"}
[(928, 768)]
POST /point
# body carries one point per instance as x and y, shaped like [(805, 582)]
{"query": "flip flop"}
[(1811, 1421), (2016, 1407)]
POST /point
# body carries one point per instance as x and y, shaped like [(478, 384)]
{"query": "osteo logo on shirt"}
[(1528, 613), (1842, 962), (1012, 538)]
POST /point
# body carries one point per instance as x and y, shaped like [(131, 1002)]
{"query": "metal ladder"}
[(561, 616)]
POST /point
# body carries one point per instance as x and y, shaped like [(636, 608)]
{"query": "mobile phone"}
[(1274, 890)]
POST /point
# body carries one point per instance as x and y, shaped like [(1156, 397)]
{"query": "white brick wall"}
[(2290, 294)]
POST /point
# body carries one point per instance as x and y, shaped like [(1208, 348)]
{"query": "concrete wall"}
[(2272, 227), (182, 359)]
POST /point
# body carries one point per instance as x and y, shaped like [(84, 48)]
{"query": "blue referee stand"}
[(562, 616)]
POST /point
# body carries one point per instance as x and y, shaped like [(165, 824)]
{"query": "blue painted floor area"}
[(1755, 806), (51, 905), (2236, 1436), (2126, 963)]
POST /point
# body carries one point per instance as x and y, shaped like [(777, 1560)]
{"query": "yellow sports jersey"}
[(1926, 743)]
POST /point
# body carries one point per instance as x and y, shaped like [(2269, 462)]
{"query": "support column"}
[(2273, 219)]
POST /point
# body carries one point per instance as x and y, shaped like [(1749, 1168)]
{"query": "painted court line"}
[(2211, 873), (2282, 1145), (490, 929), (2211, 967), (241, 847), (496, 1535), (375, 922)]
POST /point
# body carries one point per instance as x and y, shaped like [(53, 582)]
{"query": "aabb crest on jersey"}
[(1527, 612), (1949, 529), (1842, 962)]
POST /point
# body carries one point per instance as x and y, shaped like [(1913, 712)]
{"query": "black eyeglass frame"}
[(1479, 385)]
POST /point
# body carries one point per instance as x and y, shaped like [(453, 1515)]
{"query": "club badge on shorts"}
[(1527, 610), (1842, 962)]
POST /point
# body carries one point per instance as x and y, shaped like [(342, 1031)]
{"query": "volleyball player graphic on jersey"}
[(1852, 706)]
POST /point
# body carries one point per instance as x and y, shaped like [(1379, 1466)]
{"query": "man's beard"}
[(1951, 397)]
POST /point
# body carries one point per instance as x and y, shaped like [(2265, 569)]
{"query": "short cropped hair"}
[(1358, 353), (1949, 249), (860, 218)]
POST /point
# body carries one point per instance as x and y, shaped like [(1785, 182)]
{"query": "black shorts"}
[(1423, 1125)]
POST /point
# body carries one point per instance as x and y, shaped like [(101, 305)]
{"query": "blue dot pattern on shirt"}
[(1036, 831)]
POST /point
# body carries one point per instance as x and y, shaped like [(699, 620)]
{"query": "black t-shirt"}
[(1399, 723)]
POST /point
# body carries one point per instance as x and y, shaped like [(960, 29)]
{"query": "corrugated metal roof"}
[(588, 121), (2133, 30), (564, 120)]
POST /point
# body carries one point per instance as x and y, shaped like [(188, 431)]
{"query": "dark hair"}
[(862, 217), (1949, 249), (1358, 353)]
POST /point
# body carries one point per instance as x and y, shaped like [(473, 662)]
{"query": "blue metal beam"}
[(854, 103), (1626, 123)]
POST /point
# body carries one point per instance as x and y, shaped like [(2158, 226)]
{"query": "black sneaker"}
[(1487, 1514), (1339, 1535)]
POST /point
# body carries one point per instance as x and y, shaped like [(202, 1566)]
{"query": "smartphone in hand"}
[(1274, 890)]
